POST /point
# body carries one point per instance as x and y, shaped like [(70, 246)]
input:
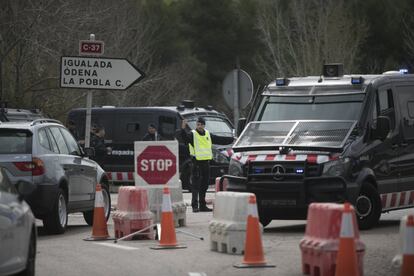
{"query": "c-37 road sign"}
[(98, 73)]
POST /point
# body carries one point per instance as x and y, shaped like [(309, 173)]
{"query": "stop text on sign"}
[(156, 165)]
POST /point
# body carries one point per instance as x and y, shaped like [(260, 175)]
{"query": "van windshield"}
[(323, 107), (293, 134), (216, 126)]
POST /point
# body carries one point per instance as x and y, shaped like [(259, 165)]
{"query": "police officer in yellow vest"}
[(200, 143)]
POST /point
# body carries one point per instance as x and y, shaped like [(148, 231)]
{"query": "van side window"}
[(132, 127), (167, 127), (406, 103), (385, 105)]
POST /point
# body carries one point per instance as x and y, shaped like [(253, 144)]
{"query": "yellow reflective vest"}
[(202, 146)]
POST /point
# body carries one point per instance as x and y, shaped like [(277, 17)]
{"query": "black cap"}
[(151, 125), (201, 120)]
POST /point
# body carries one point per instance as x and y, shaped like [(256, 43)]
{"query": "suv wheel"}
[(57, 220), (88, 215), (368, 206)]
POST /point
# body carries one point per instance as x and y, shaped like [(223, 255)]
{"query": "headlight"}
[(219, 157), (235, 168), (336, 167)]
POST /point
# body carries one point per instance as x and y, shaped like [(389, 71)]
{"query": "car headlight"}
[(235, 168), (336, 167), (219, 157)]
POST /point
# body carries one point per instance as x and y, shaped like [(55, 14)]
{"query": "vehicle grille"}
[(282, 171)]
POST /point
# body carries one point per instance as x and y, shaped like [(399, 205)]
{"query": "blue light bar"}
[(259, 170), (403, 71), (357, 80), (282, 81), (300, 171)]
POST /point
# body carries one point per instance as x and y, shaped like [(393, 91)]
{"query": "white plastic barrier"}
[(178, 205), (397, 260), (228, 226)]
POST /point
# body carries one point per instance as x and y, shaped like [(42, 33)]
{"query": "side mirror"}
[(24, 188), (89, 152), (382, 128), (240, 125)]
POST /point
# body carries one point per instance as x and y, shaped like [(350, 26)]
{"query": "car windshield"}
[(304, 133), (323, 107), (15, 141), (216, 126)]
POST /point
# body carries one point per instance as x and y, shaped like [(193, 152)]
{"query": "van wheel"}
[(57, 220), (88, 215), (368, 206)]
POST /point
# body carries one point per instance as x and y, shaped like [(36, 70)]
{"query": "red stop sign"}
[(156, 165)]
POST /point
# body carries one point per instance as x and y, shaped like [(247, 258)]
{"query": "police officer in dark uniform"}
[(200, 141), (152, 134)]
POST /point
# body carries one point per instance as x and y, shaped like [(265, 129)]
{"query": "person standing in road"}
[(152, 134), (97, 141), (201, 142)]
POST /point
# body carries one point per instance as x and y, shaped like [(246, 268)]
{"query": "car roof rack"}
[(44, 120)]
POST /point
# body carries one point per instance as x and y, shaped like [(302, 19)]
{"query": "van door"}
[(129, 127), (385, 154), (405, 97)]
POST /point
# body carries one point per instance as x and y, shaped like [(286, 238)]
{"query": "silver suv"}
[(45, 153)]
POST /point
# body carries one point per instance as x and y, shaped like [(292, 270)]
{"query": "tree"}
[(300, 36)]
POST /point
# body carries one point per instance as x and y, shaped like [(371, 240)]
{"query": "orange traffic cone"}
[(253, 248), (346, 260), (407, 268), (168, 238), (99, 228)]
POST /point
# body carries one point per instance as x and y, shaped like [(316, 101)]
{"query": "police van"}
[(329, 138), (124, 125)]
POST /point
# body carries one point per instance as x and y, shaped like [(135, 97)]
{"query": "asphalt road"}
[(69, 254)]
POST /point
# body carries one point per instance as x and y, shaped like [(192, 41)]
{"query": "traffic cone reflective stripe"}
[(99, 197), (347, 228), (99, 227), (168, 238), (253, 249), (346, 261), (407, 268), (166, 201)]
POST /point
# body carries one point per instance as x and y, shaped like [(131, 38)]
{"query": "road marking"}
[(117, 246), (197, 274)]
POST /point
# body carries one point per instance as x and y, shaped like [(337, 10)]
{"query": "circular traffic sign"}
[(156, 165), (245, 86)]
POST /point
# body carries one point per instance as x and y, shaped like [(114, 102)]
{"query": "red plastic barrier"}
[(133, 213), (319, 247), (223, 187)]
